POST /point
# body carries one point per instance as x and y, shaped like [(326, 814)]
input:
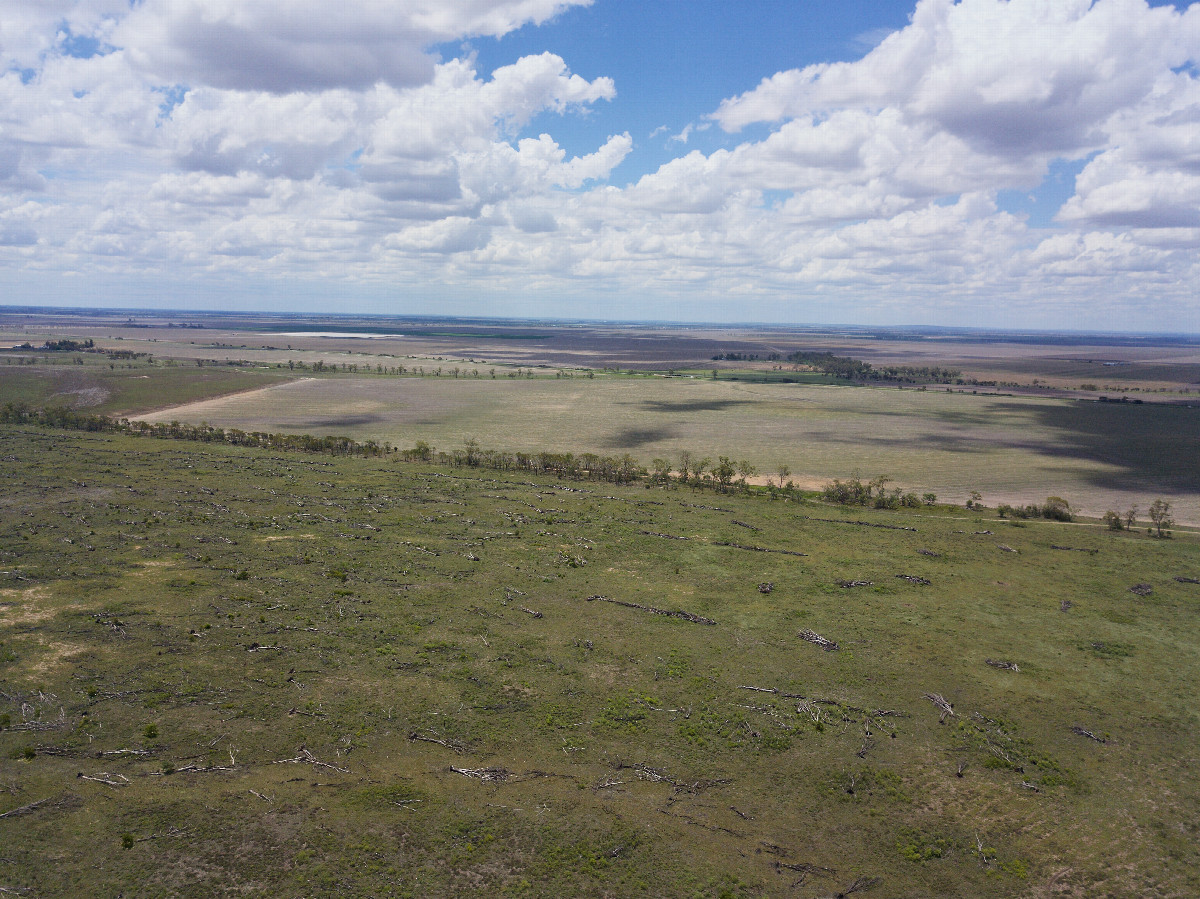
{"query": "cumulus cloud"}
[(307, 138), (309, 45)]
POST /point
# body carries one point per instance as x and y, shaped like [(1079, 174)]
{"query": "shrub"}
[(1114, 520)]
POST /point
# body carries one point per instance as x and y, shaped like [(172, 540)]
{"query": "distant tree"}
[(1131, 515), (1160, 517), (782, 472), (929, 498), (724, 472), (471, 445), (975, 501), (699, 466), (1114, 520), (662, 470), (685, 465), (745, 471)]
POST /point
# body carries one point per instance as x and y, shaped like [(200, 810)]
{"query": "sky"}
[(989, 163)]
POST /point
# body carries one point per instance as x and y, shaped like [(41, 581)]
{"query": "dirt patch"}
[(24, 607), (54, 654)]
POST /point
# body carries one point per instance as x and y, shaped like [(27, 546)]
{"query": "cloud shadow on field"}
[(631, 438), (341, 421), (1155, 446), (669, 408)]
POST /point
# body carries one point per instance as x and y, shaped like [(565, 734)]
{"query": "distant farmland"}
[(1010, 448)]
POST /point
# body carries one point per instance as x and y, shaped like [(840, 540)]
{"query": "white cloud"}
[(306, 138), (288, 45)]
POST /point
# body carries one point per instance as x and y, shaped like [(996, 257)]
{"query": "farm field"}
[(1013, 449), (228, 670)]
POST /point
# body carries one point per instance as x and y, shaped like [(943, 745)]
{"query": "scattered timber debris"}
[(962, 766), (709, 508), (531, 612), (25, 809), (740, 813), (930, 553), (1004, 547), (487, 775), (665, 536), (939, 700), (1003, 666), (1141, 589), (983, 534), (1065, 605), (756, 549), (1188, 580), (856, 583), (864, 524), (766, 587), (743, 524), (112, 780), (307, 756), (913, 579), (1033, 788), (1075, 549), (1076, 729), (669, 613), (454, 745), (818, 640)]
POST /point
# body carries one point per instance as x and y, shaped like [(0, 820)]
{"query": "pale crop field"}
[(1011, 449)]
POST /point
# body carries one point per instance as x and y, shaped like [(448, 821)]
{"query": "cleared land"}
[(1012, 449), (232, 671)]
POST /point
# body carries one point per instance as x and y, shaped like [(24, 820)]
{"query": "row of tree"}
[(688, 470)]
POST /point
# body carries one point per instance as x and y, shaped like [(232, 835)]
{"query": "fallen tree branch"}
[(449, 744), (1076, 729), (112, 780), (306, 756), (25, 809), (818, 640), (940, 701), (487, 775), (687, 616), (1003, 666), (913, 579)]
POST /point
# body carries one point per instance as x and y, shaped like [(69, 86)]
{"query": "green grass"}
[(125, 388), (184, 621)]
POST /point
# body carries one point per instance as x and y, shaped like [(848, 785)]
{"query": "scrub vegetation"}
[(261, 670)]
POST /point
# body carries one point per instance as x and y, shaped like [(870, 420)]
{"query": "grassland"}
[(230, 671), (1013, 449)]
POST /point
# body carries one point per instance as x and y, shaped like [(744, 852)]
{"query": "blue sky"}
[(1001, 163)]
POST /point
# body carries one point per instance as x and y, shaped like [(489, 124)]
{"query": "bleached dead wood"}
[(940, 701), (112, 780), (818, 640), (669, 613), (449, 744), (913, 579), (1003, 666), (306, 756), (487, 775), (25, 809), (1076, 729)]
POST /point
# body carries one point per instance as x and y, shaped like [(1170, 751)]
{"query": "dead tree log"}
[(940, 701), (817, 640), (1076, 729), (669, 613), (1003, 666)]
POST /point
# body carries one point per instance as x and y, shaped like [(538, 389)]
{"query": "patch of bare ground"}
[(19, 607), (55, 653)]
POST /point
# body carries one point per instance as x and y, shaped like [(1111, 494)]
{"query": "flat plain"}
[(227, 670), (1015, 449)]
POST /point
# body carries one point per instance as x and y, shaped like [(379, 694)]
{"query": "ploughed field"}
[(1014, 449), (228, 670)]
